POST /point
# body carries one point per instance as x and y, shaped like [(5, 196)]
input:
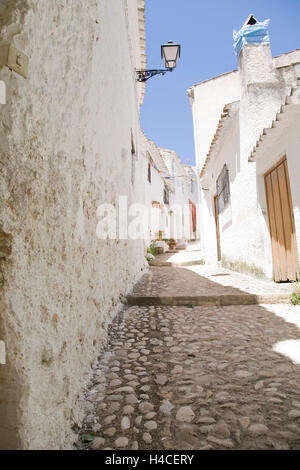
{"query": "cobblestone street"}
[(196, 378), (195, 281)]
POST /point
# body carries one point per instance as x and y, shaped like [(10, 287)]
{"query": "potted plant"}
[(160, 235), (172, 244)]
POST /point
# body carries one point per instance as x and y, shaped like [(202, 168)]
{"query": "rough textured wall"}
[(65, 141), (263, 92)]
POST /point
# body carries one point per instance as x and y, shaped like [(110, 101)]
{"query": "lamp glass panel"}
[(171, 64), (170, 53)]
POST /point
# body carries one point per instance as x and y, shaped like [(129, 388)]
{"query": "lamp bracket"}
[(144, 75)]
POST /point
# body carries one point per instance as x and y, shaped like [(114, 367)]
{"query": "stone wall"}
[(65, 140)]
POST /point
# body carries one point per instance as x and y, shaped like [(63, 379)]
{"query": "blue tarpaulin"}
[(251, 34)]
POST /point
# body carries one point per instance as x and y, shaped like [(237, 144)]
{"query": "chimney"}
[(261, 90), (252, 46)]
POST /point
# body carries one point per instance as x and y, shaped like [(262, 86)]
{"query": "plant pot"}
[(172, 246)]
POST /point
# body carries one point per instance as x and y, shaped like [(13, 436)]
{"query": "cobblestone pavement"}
[(195, 378), (201, 280)]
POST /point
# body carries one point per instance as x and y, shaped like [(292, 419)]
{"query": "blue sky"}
[(204, 30)]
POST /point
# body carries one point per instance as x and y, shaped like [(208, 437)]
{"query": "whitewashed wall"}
[(287, 143), (65, 139), (260, 85), (240, 232), (180, 195), (192, 194), (153, 191), (207, 102)]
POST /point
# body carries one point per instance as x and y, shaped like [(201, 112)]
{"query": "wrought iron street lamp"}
[(170, 54)]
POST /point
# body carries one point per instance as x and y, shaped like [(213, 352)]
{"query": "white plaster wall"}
[(207, 225), (180, 195), (209, 100), (261, 90), (287, 143), (287, 59), (153, 191), (209, 97), (240, 232), (135, 24), (264, 89), (192, 194), (65, 138)]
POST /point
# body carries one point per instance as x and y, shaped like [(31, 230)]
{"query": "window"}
[(166, 196), (223, 192)]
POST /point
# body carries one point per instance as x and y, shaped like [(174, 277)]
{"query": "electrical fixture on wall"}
[(14, 59), (170, 53)]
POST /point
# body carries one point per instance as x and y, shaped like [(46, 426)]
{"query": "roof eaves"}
[(210, 80), (226, 114), (191, 89)]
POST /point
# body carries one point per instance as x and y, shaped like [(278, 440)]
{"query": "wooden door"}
[(281, 223), (193, 217), (217, 228)]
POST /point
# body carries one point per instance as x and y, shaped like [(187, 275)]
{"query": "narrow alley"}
[(196, 377)]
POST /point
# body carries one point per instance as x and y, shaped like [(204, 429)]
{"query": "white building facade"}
[(157, 189), (184, 198), (170, 189), (230, 112)]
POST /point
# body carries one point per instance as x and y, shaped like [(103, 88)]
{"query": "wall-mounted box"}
[(14, 59)]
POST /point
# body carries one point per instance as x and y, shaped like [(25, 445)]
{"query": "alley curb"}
[(209, 300)]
